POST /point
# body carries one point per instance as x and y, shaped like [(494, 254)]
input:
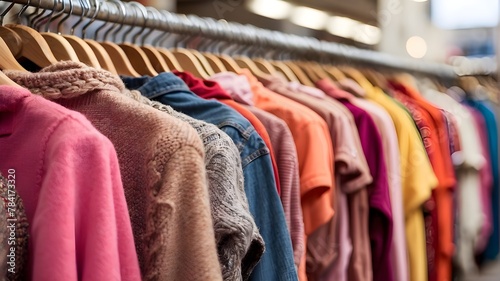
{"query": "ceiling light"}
[(416, 47), (309, 17), (275, 9), (341, 26), (367, 34)]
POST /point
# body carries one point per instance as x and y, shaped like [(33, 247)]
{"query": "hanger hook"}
[(34, 20), (21, 12), (32, 15), (156, 17), (97, 9), (2, 15), (122, 14), (50, 16), (70, 13), (85, 10), (105, 22), (134, 14), (57, 15), (160, 40), (138, 7)]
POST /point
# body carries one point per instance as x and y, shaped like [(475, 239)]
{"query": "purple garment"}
[(378, 191), (486, 179), (380, 223)]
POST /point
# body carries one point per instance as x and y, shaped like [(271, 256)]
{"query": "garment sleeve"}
[(81, 229), (179, 229)]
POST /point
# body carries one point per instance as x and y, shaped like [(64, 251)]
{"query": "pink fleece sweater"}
[(67, 174)]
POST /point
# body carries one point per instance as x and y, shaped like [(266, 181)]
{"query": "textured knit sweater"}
[(239, 243), (161, 163), (12, 210)]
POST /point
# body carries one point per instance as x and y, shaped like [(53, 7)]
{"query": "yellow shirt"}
[(417, 177)]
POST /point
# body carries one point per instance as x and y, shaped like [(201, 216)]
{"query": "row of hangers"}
[(136, 58)]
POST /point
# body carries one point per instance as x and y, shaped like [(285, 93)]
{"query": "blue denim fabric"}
[(260, 187)]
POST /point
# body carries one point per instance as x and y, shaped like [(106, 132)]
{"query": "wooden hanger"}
[(203, 61), (12, 40), (309, 71), (303, 78), (246, 62), (215, 62), (156, 59), (170, 59), (61, 48), (7, 60), (229, 63), (334, 73), (357, 76), (285, 70), (190, 63), (84, 52), (264, 65), (35, 48), (319, 70), (375, 78), (139, 59), (119, 59), (102, 56)]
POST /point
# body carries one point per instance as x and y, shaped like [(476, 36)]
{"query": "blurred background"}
[(459, 32)]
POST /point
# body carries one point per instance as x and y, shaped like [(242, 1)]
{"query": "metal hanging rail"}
[(245, 34)]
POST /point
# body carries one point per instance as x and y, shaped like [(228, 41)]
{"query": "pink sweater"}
[(161, 164), (67, 174)]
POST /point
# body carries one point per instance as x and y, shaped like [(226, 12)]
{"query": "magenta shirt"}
[(486, 180), (380, 220)]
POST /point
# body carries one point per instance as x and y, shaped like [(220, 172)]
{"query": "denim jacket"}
[(260, 188)]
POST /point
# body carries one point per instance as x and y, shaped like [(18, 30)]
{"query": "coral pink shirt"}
[(68, 176)]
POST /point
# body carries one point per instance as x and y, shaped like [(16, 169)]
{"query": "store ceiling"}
[(361, 10)]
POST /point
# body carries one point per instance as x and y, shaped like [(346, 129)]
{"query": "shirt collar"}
[(204, 88), (235, 85), (153, 87)]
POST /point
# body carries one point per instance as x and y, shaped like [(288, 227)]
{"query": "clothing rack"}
[(245, 35)]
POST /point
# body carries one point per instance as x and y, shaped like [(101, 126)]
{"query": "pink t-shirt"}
[(387, 130), (68, 176)]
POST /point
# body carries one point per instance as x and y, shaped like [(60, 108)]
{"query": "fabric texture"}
[(68, 177), (265, 206), (314, 152), (442, 209), (486, 178), (286, 156), (493, 246), (211, 89), (172, 225), (321, 246), (387, 130), (13, 212), (380, 217), (418, 178), (469, 162), (239, 244)]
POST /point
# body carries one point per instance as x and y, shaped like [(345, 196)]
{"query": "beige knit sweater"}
[(239, 243), (161, 163)]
